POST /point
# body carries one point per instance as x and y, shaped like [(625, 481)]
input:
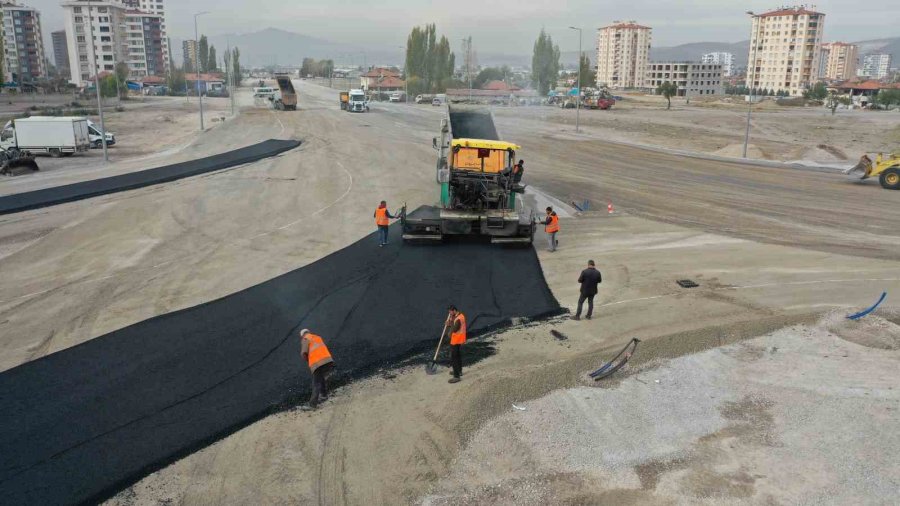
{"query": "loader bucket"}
[(862, 169)]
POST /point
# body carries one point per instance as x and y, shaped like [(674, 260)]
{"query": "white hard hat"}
[(304, 332)]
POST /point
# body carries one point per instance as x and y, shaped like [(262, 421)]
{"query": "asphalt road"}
[(82, 423)]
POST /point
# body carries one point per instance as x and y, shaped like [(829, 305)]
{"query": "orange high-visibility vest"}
[(381, 217), (552, 224), (459, 337), (318, 353)]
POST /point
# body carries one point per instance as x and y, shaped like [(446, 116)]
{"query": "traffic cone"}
[(609, 208)]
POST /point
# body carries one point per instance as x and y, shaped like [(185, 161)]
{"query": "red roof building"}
[(499, 86)]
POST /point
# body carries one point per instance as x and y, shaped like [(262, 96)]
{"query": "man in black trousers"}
[(589, 280)]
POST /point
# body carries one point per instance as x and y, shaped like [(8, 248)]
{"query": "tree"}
[(188, 67), (817, 92), (588, 78), (429, 62), (108, 86), (122, 77), (887, 98), (203, 57), (667, 90), (175, 81), (236, 65), (211, 61), (544, 63), (487, 75)]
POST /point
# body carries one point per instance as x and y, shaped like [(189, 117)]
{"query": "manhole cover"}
[(687, 283)]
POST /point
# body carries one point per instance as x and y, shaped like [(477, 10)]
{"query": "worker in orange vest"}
[(551, 226), (382, 220), (456, 322), (320, 364)]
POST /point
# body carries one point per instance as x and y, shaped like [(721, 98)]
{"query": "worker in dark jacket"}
[(589, 280)]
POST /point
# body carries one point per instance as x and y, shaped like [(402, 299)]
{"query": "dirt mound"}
[(878, 330), (737, 151)]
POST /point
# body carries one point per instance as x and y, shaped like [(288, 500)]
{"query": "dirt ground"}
[(809, 135), (770, 248)]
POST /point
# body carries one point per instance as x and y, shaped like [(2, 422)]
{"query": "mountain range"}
[(273, 46)]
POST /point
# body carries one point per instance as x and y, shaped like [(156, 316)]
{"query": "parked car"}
[(439, 99), (396, 96)]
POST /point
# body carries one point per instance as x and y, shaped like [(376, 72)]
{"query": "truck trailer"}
[(478, 193), (47, 135), (285, 99)]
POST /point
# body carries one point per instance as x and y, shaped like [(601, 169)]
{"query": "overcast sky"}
[(387, 22)]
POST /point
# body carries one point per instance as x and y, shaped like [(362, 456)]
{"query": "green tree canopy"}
[(667, 90), (588, 78), (236, 64), (212, 62), (203, 57), (544, 63), (429, 61), (490, 74), (817, 92)]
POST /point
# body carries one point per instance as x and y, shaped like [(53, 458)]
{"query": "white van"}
[(439, 99), (264, 92)]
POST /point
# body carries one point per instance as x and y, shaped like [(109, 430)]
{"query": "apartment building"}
[(23, 44), (725, 59), (189, 49), (785, 49), (101, 33), (60, 53), (841, 60), (876, 66), (623, 55), (692, 79)]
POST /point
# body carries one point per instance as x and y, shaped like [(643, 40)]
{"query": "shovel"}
[(431, 367)]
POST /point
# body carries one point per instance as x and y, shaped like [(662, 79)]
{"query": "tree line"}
[(316, 68), (430, 63)]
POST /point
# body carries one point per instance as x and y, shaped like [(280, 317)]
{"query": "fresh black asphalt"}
[(86, 189), (79, 425)]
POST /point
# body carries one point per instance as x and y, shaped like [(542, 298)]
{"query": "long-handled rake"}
[(431, 367)]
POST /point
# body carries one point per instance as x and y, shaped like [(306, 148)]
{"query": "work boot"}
[(451, 373), (576, 318), (588, 317), (454, 380)]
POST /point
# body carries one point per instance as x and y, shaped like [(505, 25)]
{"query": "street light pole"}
[(97, 85), (752, 64), (405, 73), (578, 97), (197, 57)]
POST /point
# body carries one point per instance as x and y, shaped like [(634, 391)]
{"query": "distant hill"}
[(890, 46)]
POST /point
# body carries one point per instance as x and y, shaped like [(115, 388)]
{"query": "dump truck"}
[(285, 99), (344, 99), (885, 167), (478, 194), (356, 101)]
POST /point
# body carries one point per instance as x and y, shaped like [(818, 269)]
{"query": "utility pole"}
[(405, 73), (97, 85), (197, 54), (751, 64), (578, 97)]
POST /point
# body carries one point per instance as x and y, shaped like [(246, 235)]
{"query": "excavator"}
[(885, 167), (477, 188)]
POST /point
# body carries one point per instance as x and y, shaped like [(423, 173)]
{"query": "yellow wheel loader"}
[(886, 167)]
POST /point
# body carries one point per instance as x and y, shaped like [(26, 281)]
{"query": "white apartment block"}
[(189, 50), (692, 79), (785, 48), (23, 44), (726, 60), (876, 66), (101, 33), (623, 55), (842, 60)]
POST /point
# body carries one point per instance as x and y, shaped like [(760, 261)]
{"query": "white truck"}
[(97, 139), (48, 135), (357, 101)]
